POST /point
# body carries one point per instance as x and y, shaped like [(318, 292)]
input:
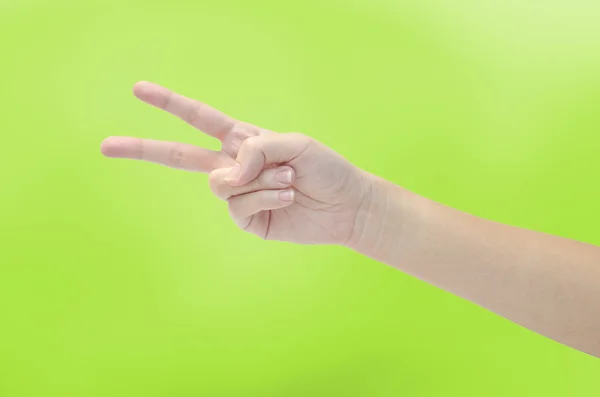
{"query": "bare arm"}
[(548, 284), (289, 187)]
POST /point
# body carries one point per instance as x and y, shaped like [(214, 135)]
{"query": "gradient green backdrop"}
[(127, 279)]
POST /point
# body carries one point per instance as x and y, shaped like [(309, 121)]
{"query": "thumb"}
[(259, 151)]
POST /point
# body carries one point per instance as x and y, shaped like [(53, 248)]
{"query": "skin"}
[(289, 187)]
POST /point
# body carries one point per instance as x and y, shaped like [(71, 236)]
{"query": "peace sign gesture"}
[(278, 186)]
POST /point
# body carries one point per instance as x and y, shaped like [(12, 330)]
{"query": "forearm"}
[(548, 284)]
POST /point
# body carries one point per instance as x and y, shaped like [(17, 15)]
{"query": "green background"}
[(119, 278)]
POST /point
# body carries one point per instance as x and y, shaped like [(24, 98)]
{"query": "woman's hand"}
[(285, 187), (290, 187)]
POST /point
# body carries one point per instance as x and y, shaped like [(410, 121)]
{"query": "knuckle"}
[(244, 130), (140, 150), (167, 100), (234, 213), (252, 148), (217, 185), (176, 156), (298, 135), (194, 114), (241, 132), (304, 142), (301, 138), (251, 144)]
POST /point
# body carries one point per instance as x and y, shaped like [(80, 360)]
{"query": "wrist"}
[(380, 218)]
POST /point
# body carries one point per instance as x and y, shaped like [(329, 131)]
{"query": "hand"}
[(285, 187)]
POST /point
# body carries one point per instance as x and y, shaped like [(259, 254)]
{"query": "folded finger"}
[(268, 179), (259, 151), (243, 207)]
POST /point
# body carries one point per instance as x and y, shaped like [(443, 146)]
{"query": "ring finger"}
[(269, 179)]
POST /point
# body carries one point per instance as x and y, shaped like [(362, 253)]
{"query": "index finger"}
[(193, 112)]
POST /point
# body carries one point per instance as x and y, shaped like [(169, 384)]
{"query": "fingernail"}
[(234, 173), (286, 195), (284, 176)]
